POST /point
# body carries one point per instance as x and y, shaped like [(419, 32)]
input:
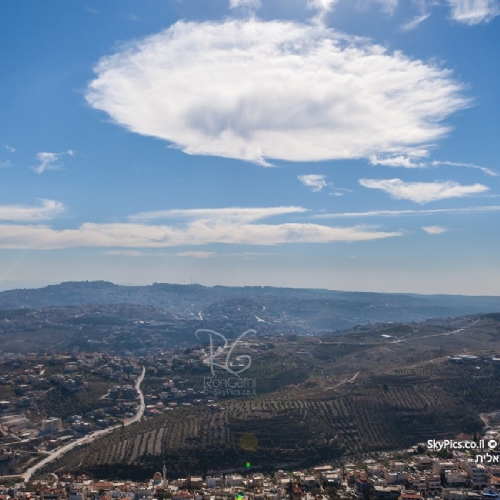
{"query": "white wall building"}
[(51, 425)]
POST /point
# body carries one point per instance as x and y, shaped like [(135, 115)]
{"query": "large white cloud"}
[(14, 236), (190, 229), (257, 90), (422, 192)]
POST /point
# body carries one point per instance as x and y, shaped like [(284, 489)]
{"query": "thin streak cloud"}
[(241, 214), (417, 20), (434, 230), (198, 254), (422, 192), (487, 171), (402, 213)]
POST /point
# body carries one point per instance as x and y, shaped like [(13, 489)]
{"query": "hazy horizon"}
[(34, 285)]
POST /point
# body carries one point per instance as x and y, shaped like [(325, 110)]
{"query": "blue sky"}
[(310, 143)]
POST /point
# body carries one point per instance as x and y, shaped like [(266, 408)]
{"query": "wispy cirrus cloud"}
[(318, 181), (389, 6), (248, 4), (412, 159), (413, 23), (422, 192), (470, 12), (325, 6), (235, 227), (314, 181), (124, 253), (50, 161), (487, 171), (196, 254), (189, 85), (322, 6), (417, 159), (237, 214), (48, 209), (474, 11), (134, 253), (435, 230), (403, 213), (10, 148), (5, 164)]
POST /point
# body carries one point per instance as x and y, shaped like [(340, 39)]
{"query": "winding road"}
[(90, 437)]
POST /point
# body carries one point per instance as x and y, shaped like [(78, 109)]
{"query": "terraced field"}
[(289, 428), (350, 397)]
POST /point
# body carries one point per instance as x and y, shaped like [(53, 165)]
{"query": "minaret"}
[(165, 482)]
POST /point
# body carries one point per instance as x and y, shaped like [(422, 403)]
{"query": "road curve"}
[(90, 437)]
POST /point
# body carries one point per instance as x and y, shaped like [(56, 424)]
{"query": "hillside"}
[(310, 310), (349, 396)]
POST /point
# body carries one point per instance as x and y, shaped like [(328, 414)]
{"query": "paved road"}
[(90, 437)]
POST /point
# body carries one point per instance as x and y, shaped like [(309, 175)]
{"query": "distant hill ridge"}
[(320, 309)]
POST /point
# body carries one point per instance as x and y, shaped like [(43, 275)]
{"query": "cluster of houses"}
[(25, 428), (471, 359), (418, 477)]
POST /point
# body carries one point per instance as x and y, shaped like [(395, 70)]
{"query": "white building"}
[(478, 474), (434, 484), (51, 425), (440, 466), (455, 477), (234, 480)]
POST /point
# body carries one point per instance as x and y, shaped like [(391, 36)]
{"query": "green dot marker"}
[(248, 465)]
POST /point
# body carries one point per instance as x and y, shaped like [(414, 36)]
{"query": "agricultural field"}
[(34, 339), (327, 399), (58, 402), (297, 426), (272, 371)]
